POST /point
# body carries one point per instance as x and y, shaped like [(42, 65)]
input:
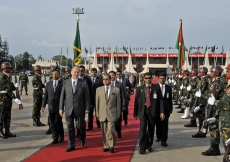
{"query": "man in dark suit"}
[(164, 102), (75, 98), (129, 91), (114, 83), (52, 95), (96, 82), (145, 112)]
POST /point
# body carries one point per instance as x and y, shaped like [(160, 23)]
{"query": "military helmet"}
[(228, 67), (5, 65), (216, 69), (203, 69), (37, 67)]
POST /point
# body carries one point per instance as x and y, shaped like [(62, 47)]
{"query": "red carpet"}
[(92, 151)]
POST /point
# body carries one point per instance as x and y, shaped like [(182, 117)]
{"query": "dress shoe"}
[(158, 140), (48, 131), (119, 134), (89, 129), (164, 144), (111, 150), (82, 142), (105, 150), (199, 135), (150, 149), (141, 151), (77, 136), (126, 122), (54, 141), (9, 134), (61, 139), (180, 111), (2, 135), (70, 149)]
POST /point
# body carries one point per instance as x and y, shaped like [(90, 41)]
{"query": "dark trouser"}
[(5, 114), (126, 112), (56, 125), (71, 129), (90, 118), (146, 135), (37, 104), (162, 127), (118, 125)]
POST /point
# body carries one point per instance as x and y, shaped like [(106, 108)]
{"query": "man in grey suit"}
[(75, 99), (108, 109)]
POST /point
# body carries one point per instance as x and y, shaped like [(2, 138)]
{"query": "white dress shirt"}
[(163, 93), (119, 80), (108, 89)]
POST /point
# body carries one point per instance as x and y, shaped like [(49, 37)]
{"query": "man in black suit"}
[(52, 95), (114, 83), (164, 102), (144, 110), (129, 91), (96, 82), (75, 98)]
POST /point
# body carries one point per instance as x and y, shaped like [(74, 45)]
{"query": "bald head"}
[(75, 72)]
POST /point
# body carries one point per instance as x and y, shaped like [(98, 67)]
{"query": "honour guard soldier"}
[(37, 96), (67, 74), (6, 96), (24, 81)]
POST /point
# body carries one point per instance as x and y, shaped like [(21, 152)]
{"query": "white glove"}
[(174, 83), (211, 120), (182, 97), (211, 100), (169, 81), (198, 93), (181, 87), (173, 80), (174, 91), (179, 76), (189, 88), (196, 109), (45, 84), (227, 142), (17, 101), (17, 85), (188, 100)]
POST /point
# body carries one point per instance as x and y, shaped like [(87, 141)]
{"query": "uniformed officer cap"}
[(228, 67), (5, 65), (37, 67), (203, 69), (216, 69)]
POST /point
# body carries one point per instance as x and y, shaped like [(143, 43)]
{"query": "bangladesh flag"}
[(77, 47), (181, 48)]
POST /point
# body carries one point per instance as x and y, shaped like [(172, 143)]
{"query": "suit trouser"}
[(108, 133), (118, 125), (71, 129), (90, 117), (146, 135), (56, 125), (126, 112), (162, 128)]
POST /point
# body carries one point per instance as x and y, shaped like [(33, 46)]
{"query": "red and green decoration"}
[(181, 48), (77, 47)]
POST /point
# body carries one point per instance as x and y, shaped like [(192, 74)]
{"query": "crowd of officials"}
[(199, 96)]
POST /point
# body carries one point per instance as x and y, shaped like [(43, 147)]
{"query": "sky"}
[(42, 27)]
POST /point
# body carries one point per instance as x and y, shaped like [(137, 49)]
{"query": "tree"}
[(25, 61), (4, 52), (40, 57), (63, 60)]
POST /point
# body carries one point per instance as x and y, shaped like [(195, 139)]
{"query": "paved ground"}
[(182, 147)]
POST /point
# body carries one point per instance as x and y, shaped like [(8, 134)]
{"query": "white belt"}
[(3, 91)]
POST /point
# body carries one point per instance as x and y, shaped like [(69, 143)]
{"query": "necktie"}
[(162, 90), (106, 93), (55, 86), (93, 81), (73, 86), (112, 84), (147, 96)]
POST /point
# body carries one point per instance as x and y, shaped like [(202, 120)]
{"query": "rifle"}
[(188, 93), (20, 106), (44, 76)]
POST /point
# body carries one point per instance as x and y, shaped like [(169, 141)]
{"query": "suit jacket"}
[(122, 92), (89, 83), (98, 83), (78, 102), (52, 97), (167, 106), (126, 83), (108, 109)]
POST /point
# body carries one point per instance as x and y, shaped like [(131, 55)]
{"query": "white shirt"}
[(55, 82), (163, 93), (119, 80), (113, 82), (75, 81), (108, 89)]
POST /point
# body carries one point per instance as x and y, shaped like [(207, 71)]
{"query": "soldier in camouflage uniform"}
[(177, 85), (6, 96), (24, 81), (67, 74), (202, 86), (215, 89), (37, 96), (184, 91), (223, 111)]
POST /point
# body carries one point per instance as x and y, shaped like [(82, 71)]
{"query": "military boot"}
[(191, 124), (179, 106), (175, 103), (2, 135), (180, 111), (199, 134), (39, 122), (26, 93), (214, 150), (35, 123), (49, 130), (8, 133)]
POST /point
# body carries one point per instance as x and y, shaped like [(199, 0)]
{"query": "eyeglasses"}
[(105, 79), (148, 78)]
